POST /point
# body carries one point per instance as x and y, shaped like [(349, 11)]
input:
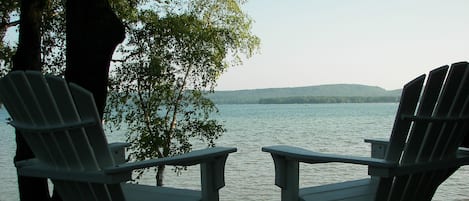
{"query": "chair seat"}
[(138, 192), (358, 190)]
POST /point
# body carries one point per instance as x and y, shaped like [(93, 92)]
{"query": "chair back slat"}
[(408, 103), (407, 106), (26, 110), (406, 186), (450, 133), (435, 133), (68, 190), (81, 153), (12, 102), (459, 109), (87, 110), (59, 142), (439, 132), (417, 131), (60, 123), (82, 191), (426, 108), (110, 192)]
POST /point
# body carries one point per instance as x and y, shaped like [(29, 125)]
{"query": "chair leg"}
[(212, 178), (378, 150), (287, 177)]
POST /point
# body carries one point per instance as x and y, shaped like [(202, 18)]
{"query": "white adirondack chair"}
[(423, 149), (60, 123)]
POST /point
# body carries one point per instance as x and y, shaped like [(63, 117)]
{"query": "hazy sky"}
[(375, 42), (382, 43)]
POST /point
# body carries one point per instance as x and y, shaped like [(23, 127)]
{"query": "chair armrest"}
[(307, 156), (188, 159), (287, 159), (118, 151), (377, 167), (212, 167)]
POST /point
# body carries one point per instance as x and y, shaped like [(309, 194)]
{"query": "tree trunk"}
[(28, 57), (28, 54), (93, 32), (160, 175)]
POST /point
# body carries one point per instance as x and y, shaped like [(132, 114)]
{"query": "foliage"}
[(171, 57), (52, 39), (8, 10), (174, 52)]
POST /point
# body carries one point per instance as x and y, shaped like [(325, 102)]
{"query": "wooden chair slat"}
[(448, 106), (80, 151), (426, 108), (450, 134), (33, 115), (87, 110), (51, 116), (68, 190), (460, 109), (404, 184), (407, 106), (12, 101), (64, 103), (99, 192), (431, 122), (61, 124)]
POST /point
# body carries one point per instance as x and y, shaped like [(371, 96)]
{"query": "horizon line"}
[(286, 87)]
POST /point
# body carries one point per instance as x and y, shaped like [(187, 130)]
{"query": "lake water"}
[(330, 128)]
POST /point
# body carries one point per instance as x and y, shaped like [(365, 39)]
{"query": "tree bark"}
[(28, 54), (93, 32), (160, 175), (28, 57)]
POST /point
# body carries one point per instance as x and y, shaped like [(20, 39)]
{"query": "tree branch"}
[(6, 25), (118, 60)]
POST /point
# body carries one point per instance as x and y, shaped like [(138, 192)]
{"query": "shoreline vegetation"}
[(333, 93), (329, 99)]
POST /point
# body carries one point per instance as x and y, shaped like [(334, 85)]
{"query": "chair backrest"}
[(60, 123), (430, 124)]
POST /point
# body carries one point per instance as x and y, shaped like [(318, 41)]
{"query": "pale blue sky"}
[(374, 42)]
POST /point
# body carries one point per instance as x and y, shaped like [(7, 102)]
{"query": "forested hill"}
[(335, 91)]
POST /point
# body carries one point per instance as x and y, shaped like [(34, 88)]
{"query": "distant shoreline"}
[(338, 93), (329, 99)]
